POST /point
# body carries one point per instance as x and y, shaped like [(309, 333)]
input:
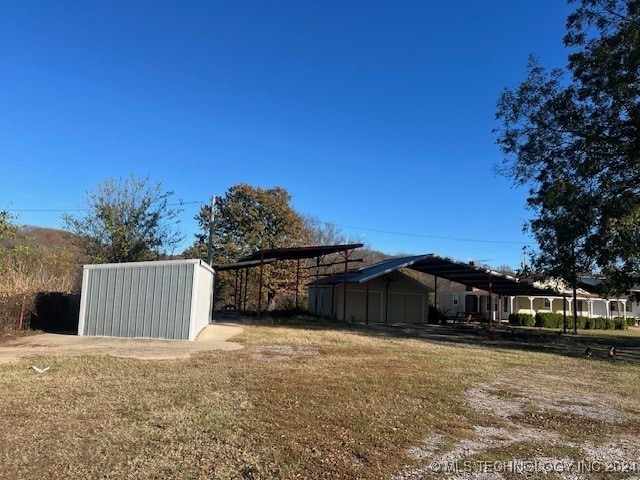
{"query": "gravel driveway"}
[(214, 337)]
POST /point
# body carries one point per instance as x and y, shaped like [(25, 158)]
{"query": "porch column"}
[(571, 303), (550, 303), (624, 310), (531, 303)]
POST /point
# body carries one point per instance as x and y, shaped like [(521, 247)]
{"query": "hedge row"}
[(555, 320), (522, 319)]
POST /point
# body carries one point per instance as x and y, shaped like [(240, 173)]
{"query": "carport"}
[(473, 276), (269, 255), (468, 274)]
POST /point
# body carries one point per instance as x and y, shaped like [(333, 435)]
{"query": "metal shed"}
[(165, 299)]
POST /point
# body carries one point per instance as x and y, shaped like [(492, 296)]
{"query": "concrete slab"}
[(213, 337)]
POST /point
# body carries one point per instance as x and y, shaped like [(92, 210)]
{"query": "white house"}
[(559, 298)]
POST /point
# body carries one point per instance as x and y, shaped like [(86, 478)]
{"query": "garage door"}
[(356, 306), (406, 308)]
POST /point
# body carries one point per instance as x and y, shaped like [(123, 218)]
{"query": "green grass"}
[(302, 400)]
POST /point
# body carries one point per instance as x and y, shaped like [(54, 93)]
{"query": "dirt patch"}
[(270, 353), (512, 401), (213, 337)]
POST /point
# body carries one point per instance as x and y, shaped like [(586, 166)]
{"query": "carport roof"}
[(270, 255), (295, 253), (467, 274)]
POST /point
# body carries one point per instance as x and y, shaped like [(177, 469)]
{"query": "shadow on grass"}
[(525, 339)]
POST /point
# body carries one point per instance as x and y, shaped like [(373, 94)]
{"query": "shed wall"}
[(149, 300), (202, 301)]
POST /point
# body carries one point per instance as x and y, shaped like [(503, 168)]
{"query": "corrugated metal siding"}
[(152, 301)]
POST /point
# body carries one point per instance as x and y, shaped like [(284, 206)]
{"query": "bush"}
[(435, 316), (555, 320), (582, 321), (522, 319), (620, 324), (631, 322), (12, 307), (549, 320)]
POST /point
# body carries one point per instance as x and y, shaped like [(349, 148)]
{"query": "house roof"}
[(467, 274), (370, 272)]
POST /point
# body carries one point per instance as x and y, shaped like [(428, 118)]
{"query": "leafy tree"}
[(573, 136), (126, 220), (248, 219), (5, 223)]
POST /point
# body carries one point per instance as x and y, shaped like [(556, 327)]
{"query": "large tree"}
[(247, 219), (127, 220), (573, 137)]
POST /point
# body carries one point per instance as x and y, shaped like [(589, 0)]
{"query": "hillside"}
[(35, 260)]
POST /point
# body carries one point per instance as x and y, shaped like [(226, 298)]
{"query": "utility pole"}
[(210, 244)]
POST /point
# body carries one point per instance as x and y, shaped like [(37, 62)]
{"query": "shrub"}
[(34, 260), (549, 320), (632, 322), (620, 324), (522, 319), (581, 322), (12, 307), (435, 316)]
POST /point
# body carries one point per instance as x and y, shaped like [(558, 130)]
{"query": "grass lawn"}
[(310, 399)]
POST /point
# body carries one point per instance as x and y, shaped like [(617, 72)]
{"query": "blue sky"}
[(375, 116)]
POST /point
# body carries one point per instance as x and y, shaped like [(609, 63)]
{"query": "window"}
[(547, 304), (455, 299), (629, 306), (505, 305), (613, 306), (579, 306)]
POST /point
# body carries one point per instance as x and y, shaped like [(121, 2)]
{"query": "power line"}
[(375, 230), (435, 237), (44, 210), (59, 210)]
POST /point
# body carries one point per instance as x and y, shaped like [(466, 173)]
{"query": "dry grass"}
[(35, 260), (309, 401)]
